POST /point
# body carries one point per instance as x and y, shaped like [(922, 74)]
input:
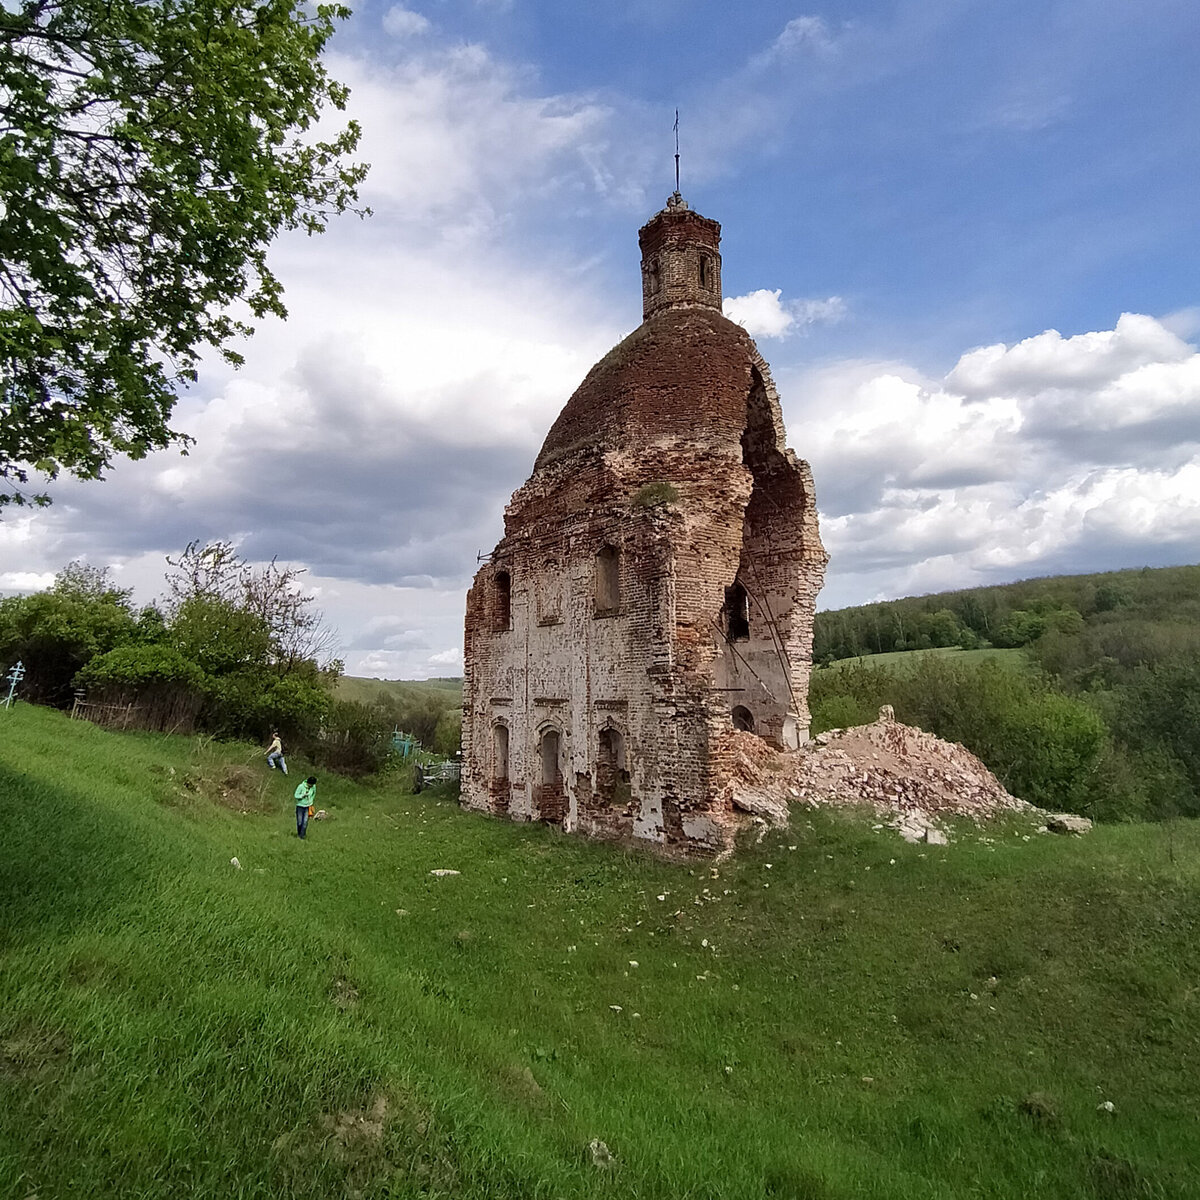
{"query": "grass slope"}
[(406, 691), (906, 660), (833, 1014)]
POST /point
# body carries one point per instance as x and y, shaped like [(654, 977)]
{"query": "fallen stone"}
[(233, 862), (600, 1154), (439, 871), (1067, 823)]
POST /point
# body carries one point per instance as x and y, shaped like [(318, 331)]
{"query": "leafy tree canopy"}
[(149, 152)]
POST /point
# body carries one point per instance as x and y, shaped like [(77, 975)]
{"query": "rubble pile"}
[(902, 767), (907, 775)]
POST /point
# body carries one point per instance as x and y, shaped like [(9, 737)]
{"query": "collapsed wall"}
[(907, 776)]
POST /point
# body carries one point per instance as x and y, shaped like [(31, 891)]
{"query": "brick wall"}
[(672, 455)]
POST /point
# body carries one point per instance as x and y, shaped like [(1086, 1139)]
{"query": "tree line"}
[(230, 649), (1009, 615), (1102, 714)]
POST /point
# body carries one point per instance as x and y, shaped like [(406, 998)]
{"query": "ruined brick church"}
[(655, 586)]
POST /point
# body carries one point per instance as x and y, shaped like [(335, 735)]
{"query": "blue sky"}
[(935, 214)]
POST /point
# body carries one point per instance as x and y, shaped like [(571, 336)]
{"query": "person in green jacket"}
[(306, 795)]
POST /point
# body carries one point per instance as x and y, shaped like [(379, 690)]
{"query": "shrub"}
[(656, 493), (354, 740)]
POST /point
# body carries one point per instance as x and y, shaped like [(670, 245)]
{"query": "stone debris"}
[(601, 1155), (233, 862), (1067, 823), (441, 871), (909, 777)]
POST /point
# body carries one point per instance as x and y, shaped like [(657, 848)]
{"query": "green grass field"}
[(831, 1015), (365, 691), (905, 660)]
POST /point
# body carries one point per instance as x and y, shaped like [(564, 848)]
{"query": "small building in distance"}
[(655, 587)]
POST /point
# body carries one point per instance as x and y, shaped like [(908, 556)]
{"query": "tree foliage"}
[(264, 610), (149, 152), (224, 652), (56, 632)]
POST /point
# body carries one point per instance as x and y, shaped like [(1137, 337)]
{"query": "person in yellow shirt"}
[(275, 754)]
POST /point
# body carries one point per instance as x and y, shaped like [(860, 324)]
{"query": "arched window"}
[(743, 719), (551, 770), (652, 277), (502, 601), (612, 774), (608, 580), (705, 271), (737, 613), (500, 753)]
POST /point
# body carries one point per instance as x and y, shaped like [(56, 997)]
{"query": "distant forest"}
[(1014, 614), (1095, 708)]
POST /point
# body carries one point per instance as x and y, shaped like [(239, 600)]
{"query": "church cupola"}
[(681, 263)]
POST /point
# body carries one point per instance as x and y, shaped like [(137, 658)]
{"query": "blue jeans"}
[(275, 759), (301, 819)]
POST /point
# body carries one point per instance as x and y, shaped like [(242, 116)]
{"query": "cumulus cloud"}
[(801, 35), (376, 436), (1053, 454), (403, 22), (763, 313)]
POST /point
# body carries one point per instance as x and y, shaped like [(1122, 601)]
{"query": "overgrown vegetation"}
[(232, 649), (831, 1014), (430, 710), (1104, 720)]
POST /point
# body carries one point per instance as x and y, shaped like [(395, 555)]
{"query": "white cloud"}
[(800, 35), (454, 135), (1054, 454), (1049, 360), (1184, 322), (25, 581), (764, 314), (403, 22)]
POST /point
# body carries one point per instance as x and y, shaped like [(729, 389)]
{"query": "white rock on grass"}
[(600, 1154), (1067, 823), (442, 871), (233, 862)]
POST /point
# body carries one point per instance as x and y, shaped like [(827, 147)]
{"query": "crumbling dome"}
[(656, 582)]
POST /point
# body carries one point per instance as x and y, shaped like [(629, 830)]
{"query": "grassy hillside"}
[(832, 1015), (405, 691), (907, 660)]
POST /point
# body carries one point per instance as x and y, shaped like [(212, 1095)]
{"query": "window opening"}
[(737, 613), (500, 753), (551, 775), (612, 775), (705, 271), (503, 608), (743, 719), (608, 580)]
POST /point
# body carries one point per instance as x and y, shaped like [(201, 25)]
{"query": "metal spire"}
[(677, 152)]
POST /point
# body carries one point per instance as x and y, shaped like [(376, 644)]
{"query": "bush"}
[(355, 740)]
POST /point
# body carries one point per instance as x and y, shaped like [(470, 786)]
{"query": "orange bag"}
[(310, 810)]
